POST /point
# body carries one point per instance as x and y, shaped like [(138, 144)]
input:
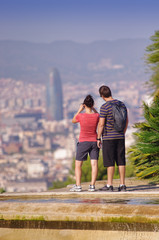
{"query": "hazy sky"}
[(77, 20)]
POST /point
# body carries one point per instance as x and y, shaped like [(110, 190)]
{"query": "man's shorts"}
[(113, 152), (83, 148)]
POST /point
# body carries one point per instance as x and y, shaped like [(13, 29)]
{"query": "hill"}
[(98, 61)]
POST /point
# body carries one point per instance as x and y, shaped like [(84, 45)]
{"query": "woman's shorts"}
[(85, 148), (113, 152)]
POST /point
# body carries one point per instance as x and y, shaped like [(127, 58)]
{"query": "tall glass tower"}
[(54, 99)]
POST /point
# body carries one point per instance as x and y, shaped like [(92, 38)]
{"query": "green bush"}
[(2, 190), (86, 173)]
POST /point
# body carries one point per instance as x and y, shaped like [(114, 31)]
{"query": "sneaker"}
[(122, 188), (91, 188), (76, 188), (106, 188)]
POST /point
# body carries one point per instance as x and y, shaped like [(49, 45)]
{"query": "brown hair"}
[(105, 91), (88, 101)]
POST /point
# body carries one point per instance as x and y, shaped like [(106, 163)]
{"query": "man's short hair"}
[(105, 91)]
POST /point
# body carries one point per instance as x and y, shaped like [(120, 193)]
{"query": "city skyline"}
[(80, 21), (42, 151)]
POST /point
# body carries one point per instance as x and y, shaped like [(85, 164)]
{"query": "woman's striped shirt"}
[(106, 112)]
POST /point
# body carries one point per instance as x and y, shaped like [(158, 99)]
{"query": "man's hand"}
[(99, 143), (100, 131)]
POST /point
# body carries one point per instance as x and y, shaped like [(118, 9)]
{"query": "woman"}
[(87, 142)]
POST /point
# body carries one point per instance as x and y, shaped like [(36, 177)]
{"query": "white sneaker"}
[(76, 188), (91, 188)]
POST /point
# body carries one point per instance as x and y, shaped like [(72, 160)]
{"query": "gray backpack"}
[(119, 115)]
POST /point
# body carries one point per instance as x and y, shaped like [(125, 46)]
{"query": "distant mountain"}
[(98, 61)]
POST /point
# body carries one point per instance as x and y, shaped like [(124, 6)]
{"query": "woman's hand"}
[(81, 108)]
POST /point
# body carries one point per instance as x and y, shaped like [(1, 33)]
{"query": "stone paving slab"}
[(135, 188), (83, 194)]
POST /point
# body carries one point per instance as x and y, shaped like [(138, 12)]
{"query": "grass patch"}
[(1, 217), (135, 219), (40, 218), (67, 219), (24, 218)]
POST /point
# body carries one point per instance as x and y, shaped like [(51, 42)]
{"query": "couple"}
[(113, 141)]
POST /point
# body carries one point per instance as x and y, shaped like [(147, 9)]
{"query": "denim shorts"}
[(85, 148)]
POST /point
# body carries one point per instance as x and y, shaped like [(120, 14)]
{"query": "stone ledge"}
[(77, 212), (78, 225)]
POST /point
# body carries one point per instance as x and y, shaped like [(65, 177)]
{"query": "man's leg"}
[(110, 175), (121, 162), (109, 156), (94, 165), (122, 175), (78, 172)]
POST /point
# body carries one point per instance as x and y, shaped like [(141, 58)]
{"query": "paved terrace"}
[(60, 214)]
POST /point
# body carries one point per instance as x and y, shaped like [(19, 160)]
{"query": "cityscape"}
[(54, 57), (37, 138)]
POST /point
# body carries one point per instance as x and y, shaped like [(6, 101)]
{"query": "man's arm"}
[(126, 126), (100, 130)]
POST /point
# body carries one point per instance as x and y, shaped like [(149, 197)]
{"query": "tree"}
[(152, 59), (145, 152)]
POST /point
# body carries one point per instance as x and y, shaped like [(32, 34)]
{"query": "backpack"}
[(119, 115)]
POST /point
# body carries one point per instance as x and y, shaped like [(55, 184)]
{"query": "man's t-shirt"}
[(88, 123), (106, 112)]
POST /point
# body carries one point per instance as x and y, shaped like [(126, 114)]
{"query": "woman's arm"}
[(81, 108), (94, 110)]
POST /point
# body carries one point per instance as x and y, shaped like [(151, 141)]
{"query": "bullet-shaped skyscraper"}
[(54, 98)]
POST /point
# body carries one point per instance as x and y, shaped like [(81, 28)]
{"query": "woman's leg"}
[(78, 171), (94, 165)]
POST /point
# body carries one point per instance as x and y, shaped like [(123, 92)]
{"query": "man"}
[(113, 141)]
